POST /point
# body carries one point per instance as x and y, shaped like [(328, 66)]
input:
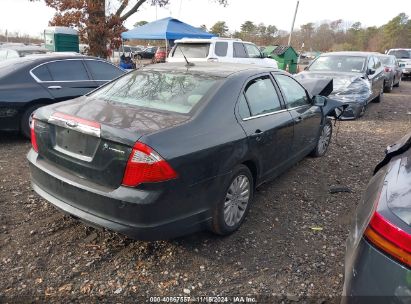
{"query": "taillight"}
[(389, 238), (33, 136), (387, 69), (146, 166)]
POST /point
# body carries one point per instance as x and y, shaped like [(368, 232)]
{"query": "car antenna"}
[(188, 64)]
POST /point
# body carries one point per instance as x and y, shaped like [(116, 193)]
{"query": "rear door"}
[(268, 125), (67, 78), (307, 118), (102, 72)]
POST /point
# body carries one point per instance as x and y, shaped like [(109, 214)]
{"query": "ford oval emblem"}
[(71, 124)]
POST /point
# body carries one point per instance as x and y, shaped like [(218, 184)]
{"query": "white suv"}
[(220, 50), (404, 60)]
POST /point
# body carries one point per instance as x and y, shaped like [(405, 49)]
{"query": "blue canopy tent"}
[(167, 28)]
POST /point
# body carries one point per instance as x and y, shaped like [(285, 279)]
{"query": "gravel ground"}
[(291, 245)]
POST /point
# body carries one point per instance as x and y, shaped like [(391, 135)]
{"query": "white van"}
[(404, 60), (219, 50)]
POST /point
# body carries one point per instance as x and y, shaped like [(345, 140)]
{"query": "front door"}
[(268, 125), (307, 117)]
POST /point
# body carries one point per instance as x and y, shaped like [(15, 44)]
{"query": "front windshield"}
[(338, 64), (168, 91), (401, 54)]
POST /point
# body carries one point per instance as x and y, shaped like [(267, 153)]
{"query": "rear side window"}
[(294, 93), (68, 70), (261, 96), (191, 50), (243, 109), (239, 50), (100, 70), (42, 73), (221, 49), (158, 90)]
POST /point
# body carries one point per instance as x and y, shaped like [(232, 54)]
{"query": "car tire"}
[(390, 87), (324, 139), (380, 97), (232, 208), (26, 120), (398, 83)]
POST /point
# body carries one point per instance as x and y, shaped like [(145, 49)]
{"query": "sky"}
[(32, 17)]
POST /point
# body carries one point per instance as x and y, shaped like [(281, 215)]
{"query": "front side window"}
[(101, 70), (371, 63), (294, 94), (252, 50), (67, 70), (221, 49), (239, 50), (191, 50), (167, 91), (339, 63), (261, 96), (377, 63)]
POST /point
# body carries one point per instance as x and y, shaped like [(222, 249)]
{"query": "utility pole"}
[(292, 26)]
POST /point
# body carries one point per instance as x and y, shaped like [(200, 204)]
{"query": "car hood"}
[(347, 87)]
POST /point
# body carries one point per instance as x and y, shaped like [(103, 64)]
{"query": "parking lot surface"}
[(291, 245)]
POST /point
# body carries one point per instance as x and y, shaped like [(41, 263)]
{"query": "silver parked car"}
[(392, 72)]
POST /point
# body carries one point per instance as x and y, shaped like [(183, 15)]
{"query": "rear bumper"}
[(376, 278), (139, 214)]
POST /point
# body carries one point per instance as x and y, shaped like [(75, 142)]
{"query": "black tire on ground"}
[(398, 83), (219, 224), (380, 97), (324, 139), (389, 88), (25, 120)]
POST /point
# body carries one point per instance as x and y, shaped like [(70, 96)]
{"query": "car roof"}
[(209, 68), (205, 40), (349, 53)]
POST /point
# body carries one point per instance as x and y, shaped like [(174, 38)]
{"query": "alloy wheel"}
[(325, 139), (236, 200)]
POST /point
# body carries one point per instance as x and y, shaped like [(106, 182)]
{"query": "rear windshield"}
[(401, 54), (386, 60), (167, 91), (339, 64), (191, 50)]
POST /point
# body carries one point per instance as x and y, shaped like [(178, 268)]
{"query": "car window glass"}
[(294, 93), (221, 49), (68, 70), (252, 50), (262, 96), (239, 50), (338, 63), (377, 63), (191, 50), (3, 54), (42, 73), (371, 63), (102, 71), (243, 107), (12, 54)]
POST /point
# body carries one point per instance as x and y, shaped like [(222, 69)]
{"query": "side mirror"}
[(371, 71), (319, 101)]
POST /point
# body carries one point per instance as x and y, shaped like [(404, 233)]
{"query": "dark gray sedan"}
[(172, 149), (358, 79), (378, 258), (392, 72)]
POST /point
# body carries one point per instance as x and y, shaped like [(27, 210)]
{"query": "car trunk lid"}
[(94, 142)]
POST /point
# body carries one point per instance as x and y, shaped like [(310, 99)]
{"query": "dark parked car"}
[(392, 72), (16, 51), (147, 53), (172, 149), (378, 257), (358, 79), (34, 81)]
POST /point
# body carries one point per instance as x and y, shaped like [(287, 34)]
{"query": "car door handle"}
[(258, 134), (54, 87)]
